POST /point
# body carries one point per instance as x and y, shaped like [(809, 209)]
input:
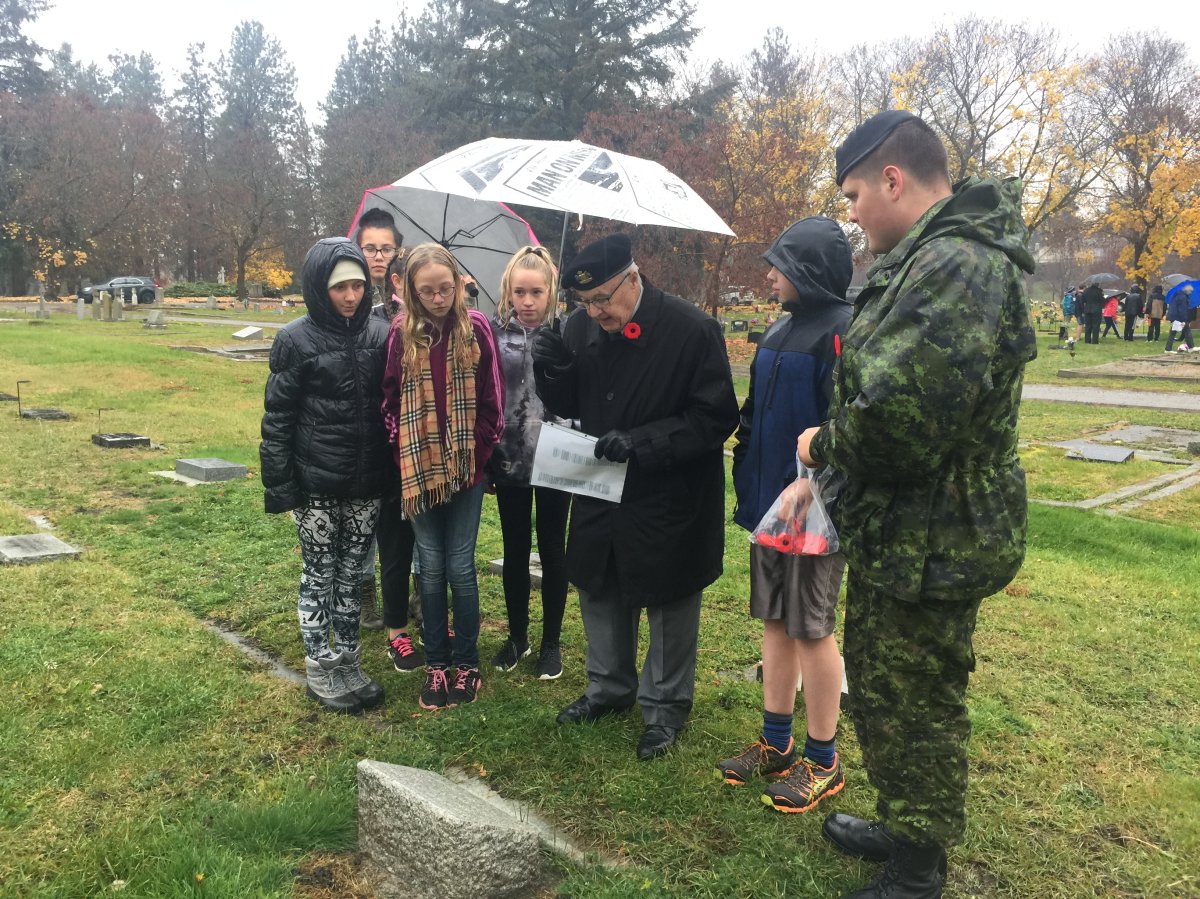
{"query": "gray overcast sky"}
[(316, 40)]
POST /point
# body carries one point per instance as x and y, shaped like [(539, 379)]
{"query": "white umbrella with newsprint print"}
[(571, 177)]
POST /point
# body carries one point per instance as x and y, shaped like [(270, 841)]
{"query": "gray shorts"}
[(801, 590)]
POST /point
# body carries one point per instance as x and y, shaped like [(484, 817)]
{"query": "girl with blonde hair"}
[(527, 301)]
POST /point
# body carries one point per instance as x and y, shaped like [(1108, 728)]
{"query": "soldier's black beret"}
[(597, 262), (866, 138)]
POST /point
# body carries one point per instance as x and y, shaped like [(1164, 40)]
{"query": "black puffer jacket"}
[(322, 431)]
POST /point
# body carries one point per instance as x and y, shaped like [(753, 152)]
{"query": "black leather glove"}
[(616, 446), (550, 353)]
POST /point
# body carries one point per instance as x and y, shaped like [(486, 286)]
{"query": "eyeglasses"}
[(387, 252), (428, 293), (600, 301)]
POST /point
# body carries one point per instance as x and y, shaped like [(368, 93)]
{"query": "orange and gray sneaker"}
[(806, 785), (759, 758)]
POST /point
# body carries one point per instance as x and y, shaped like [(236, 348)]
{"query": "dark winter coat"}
[(924, 417), (322, 431), (1179, 310), (671, 389), (1092, 301), (791, 378)]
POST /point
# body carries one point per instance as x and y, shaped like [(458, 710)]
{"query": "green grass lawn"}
[(140, 753)]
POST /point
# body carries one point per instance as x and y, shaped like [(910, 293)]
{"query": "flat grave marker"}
[(209, 470), (120, 440), (248, 334), (25, 549)]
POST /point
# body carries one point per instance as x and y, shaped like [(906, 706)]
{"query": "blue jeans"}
[(446, 538)]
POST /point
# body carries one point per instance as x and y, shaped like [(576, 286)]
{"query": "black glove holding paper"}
[(615, 446)]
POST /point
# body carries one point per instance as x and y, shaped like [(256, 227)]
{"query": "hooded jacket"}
[(791, 377), (924, 415), (1180, 308), (322, 429)]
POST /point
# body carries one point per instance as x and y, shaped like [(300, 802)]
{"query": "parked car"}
[(132, 289)]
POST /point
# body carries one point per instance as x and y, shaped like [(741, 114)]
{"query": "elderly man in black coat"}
[(646, 372)]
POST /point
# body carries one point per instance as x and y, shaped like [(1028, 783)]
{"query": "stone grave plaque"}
[(157, 318), (80, 308), (43, 312), (212, 302), (248, 334), (7, 398), (1094, 452), (28, 548), (120, 440), (739, 324), (46, 414), (209, 469), (496, 566)]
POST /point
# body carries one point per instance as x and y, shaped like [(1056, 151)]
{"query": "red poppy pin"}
[(632, 331)]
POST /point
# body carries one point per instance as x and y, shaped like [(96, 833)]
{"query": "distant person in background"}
[(1133, 310), (1179, 313), (1093, 309), (1110, 314), (1070, 310), (1155, 311)]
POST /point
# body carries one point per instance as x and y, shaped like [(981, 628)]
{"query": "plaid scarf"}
[(432, 472)]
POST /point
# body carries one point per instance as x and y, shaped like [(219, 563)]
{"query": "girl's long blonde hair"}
[(415, 333), (536, 259)]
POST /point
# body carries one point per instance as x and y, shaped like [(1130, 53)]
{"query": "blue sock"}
[(777, 730), (821, 752)]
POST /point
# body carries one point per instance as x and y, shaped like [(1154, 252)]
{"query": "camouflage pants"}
[(907, 666)]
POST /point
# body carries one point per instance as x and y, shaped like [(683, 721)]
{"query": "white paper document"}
[(566, 460)]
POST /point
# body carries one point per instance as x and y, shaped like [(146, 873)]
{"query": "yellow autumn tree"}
[(267, 266)]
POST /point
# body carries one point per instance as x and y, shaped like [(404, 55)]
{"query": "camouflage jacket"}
[(924, 416)]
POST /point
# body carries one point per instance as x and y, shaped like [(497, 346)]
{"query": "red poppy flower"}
[(632, 331)]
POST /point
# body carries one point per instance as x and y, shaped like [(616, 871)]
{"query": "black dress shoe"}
[(911, 872), (862, 839), (656, 740), (584, 709)]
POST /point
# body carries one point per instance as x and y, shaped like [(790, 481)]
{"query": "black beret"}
[(597, 262), (866, 138)]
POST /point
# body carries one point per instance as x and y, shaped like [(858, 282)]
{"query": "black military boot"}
[(854, 836), (911, 872)]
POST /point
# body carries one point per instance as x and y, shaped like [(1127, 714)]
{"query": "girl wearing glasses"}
[(527, 299), (444, 412)]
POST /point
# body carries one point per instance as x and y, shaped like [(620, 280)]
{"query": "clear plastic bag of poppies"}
[(798, 522)]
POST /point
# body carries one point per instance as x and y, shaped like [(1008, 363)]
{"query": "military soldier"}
[(923, 424)]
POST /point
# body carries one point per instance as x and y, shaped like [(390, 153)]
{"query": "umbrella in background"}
[(1193, 300), (482, 235), (1103, 278), (1173, 280), (570, 177)]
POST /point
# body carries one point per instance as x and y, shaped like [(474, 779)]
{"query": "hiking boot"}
[(911, 872), (805, 786), (436, 692), (326, 684), (510, 654), (549, 664), (404, 655), (368, 611), (858, 837), (369, 693), (465, 687), (760, 757)]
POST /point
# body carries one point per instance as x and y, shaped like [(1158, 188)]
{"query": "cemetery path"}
[(1104, 396)]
